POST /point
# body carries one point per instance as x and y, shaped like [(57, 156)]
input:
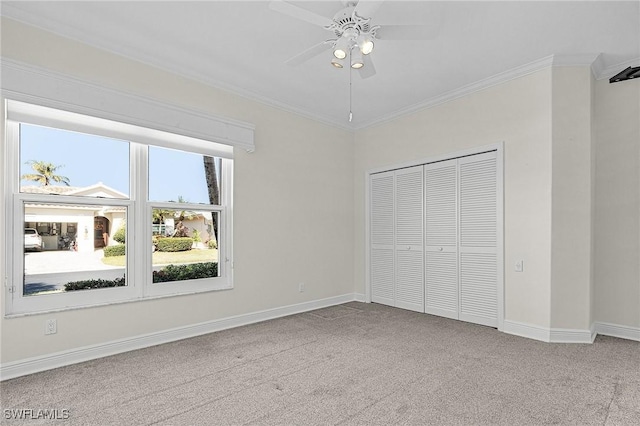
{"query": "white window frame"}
[(139, 269), (225, 271)]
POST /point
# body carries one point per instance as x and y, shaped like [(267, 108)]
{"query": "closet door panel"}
[(382, 276), (409, 233), (478, 239), (382, 209), (441, 239), (409, 280), (382, 268), (442, 284), (478, 298)]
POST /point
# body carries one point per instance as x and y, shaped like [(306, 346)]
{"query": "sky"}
[(87, 160)]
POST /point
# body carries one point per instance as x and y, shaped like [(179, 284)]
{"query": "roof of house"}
[(49, 189), (96, 190)]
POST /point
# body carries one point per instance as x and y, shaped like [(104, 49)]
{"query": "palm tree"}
[(212, 187), (185, 214), (44, 173), (158, 215)]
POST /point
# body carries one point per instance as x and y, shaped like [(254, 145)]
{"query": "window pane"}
[(54, 161), (185, 245), (183, 177), (65, 247)]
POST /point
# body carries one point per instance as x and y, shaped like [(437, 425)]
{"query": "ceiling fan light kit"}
[(365, 43), (341, 48), (356, 59), (355, 35)]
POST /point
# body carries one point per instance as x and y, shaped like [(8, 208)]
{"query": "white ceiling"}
[(242, 46)]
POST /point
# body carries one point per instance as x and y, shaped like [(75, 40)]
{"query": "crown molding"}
[(463, 91), (70, 33), (582, 60), (243, 93), (596, 62), (597, 67), (592, 60)]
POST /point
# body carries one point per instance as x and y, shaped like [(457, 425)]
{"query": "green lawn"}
[(166, 258)]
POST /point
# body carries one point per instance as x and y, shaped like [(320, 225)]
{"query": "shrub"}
[(175, 244), (118, 250), (90, 284), (212, 244), (120, 234), (191, 271), (196, 236)]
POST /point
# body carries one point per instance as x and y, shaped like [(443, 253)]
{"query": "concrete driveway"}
[(49, 262), (49, 271)]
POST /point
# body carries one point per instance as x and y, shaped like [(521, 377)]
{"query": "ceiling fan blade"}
[(367, 8), (368, 70), (407, 32), (309, 53), (299, 13)]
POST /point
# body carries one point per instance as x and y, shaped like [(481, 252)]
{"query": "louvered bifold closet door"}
[(382, 271), (478, 239), (409, 239), (441, 213)]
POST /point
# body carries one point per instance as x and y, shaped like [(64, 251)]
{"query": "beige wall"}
[(293, 211), (617, 217), (517, 113), (571, 279)]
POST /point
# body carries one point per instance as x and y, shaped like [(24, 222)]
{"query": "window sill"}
[(112, 303)]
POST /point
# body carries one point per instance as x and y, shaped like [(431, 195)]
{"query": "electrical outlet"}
[(519, 266), (301, 287), (50, 326)]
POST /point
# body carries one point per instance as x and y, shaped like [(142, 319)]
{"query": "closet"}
[(434, 238)]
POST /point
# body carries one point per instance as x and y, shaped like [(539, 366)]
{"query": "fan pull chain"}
[(350, 89)]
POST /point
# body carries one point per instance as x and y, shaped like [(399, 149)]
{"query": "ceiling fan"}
[(355, 35)]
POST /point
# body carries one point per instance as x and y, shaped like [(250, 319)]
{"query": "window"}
[(104, 212), (185, 211)]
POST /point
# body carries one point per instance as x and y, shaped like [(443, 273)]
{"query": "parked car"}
[(32, 240)]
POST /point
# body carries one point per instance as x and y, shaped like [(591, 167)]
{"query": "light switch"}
[(519, 266)]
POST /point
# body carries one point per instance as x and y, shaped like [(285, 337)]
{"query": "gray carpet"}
[(355, 364)]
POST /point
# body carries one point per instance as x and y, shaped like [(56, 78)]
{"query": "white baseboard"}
[(359, 297), (549, 335), (564, 335), (616, 330), (529, 331), (73, 356)]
